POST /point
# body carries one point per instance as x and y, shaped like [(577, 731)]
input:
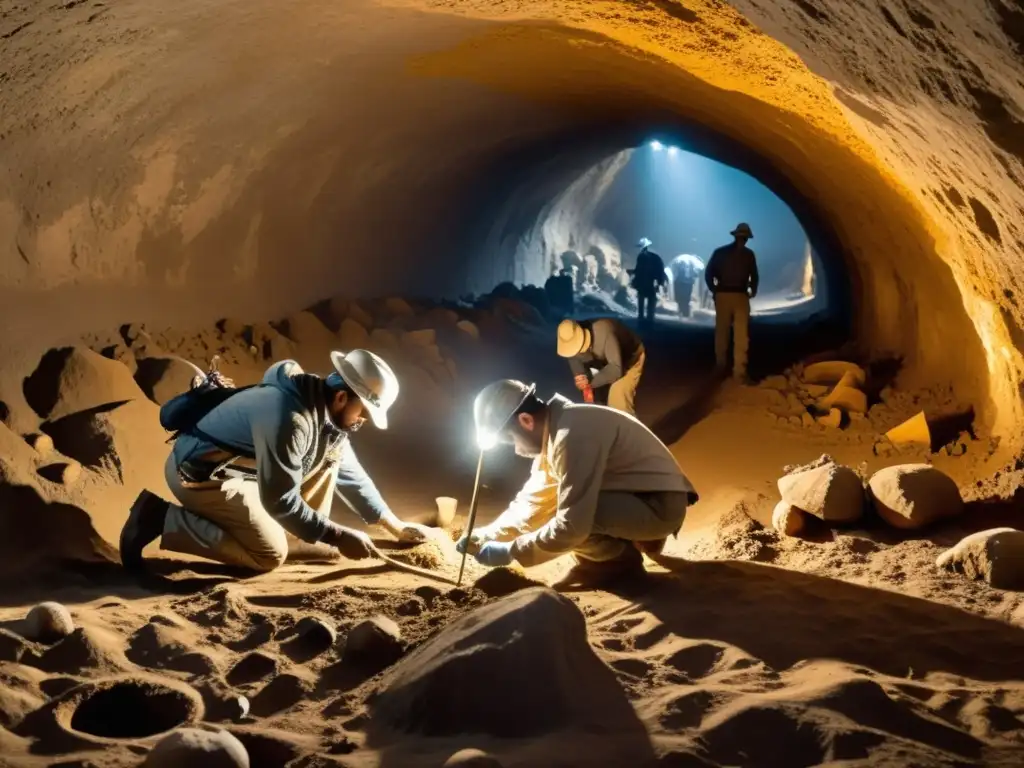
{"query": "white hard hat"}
[(495, 405), (373, 381)]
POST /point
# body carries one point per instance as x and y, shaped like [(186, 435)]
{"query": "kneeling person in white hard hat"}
[(612, 348), (263, 463), (602, 485)]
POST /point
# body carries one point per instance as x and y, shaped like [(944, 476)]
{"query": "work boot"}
[(144, 525), (597, 573), (654, 547)]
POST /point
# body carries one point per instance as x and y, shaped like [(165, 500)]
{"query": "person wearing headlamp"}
[(602, 486)]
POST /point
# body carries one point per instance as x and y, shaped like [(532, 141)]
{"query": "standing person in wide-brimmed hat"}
[(604, 353), (732, 278), (647, 277)]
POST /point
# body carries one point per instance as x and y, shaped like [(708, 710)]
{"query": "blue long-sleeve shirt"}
[(278, 426)]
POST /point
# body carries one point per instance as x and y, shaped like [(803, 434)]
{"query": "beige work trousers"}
[(622, 393), (732, 313), (224, 520), (623, 517)]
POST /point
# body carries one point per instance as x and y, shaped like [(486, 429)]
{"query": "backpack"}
[(181, 414)]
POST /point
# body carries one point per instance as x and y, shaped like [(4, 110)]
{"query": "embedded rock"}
[(47, 623), (995, 556), (198, 748), (914, 495), (788, 520), (826, 490)]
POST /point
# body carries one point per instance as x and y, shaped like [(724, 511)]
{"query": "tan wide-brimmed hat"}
[(742, 230), (573, 338)]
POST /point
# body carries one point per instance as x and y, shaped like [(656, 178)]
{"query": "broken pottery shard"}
[(913, 431), (828, 491), (198, 748), (531, 650), (832, 372), (914, 495), (787, 519), (995, 556)]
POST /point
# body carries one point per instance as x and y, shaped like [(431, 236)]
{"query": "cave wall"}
[(243, 158)]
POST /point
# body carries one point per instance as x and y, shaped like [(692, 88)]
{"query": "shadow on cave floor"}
[(883, 630)]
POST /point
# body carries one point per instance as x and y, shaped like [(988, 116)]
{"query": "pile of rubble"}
[(906, 497), (833, 396)]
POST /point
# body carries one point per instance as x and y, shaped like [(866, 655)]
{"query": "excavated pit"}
[(131, 710)]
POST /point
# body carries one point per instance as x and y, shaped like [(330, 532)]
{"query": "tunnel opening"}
[(557, 203)]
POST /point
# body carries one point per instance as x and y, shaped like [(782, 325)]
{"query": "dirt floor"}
[(741, 647)]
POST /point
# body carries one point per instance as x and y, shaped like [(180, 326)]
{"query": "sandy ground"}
[(743, 647)]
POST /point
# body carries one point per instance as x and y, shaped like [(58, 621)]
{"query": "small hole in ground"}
[(131, 710)]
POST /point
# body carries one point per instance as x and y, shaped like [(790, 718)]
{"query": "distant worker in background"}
[(686, 271), (559, 290), (731, 277), (252, 465), (648, 276), (613, 349), (601, 487)]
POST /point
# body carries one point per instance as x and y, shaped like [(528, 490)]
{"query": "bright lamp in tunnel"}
[(673, 150), (486, 440), (655, 145)]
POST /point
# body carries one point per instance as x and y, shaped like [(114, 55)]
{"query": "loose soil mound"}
[(531, 649)]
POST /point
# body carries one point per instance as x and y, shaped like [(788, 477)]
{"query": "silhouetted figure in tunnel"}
[(648, 276), (732, 278), (686, 270)]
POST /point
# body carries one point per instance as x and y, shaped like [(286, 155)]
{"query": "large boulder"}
[(74, 379), (996, 556), (914, 495), (824, 489), (530, 650)]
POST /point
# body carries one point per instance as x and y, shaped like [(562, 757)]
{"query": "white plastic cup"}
[(446, 507)]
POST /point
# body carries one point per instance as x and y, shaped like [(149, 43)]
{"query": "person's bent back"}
[(287, 445)]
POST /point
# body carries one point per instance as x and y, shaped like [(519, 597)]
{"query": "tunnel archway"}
[(514, 217), (281, 178)]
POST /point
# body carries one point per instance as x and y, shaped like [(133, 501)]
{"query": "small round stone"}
[(47, 623), (471, 758), (197, 748)]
